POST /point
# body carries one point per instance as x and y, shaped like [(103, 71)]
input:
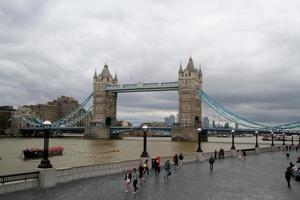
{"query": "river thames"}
[(79, 151)]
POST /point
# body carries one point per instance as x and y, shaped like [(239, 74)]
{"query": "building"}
[(205, 122), (170, 121), (213, 124), (6, 113), (124, 123), (56, 109)]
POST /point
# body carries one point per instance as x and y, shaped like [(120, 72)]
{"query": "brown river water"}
[(79, 151)]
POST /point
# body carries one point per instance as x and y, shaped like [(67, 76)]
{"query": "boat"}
[(30, 153)]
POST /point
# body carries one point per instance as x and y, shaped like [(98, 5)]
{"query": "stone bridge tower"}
[(104, 103), (190, 105)]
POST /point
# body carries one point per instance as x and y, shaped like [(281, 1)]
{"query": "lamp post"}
[(199, 130), (292, 140), (283, 139), (272, 135), (145, 130), (232, 134), (256, 138), (45, 162)]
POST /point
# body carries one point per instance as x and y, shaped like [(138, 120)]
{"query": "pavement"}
[(258, 177)]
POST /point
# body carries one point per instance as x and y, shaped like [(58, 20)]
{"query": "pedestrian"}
[(135, 180), (288, 175), (175, 159), (180, 159), (141, 174), (286, 148), (157, 166), (127, 181), (296, 148), (287, 154), (215, 156), (222, 153), (211, 163), (244, 154), (167, 169), (146, 167), (290, 148)]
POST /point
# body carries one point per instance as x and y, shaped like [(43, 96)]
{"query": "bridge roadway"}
[(258, 177)]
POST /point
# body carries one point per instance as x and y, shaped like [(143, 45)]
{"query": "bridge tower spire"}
[(190, 105)]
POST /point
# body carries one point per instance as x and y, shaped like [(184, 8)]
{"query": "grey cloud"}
[(249, 52)]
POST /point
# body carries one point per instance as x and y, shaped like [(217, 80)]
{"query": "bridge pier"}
[(97, 132), (187, 134)]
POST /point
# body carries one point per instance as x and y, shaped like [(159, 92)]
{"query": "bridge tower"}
[(190, 105), (104, 102)]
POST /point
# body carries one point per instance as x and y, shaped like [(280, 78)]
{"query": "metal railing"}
[(19, 177)]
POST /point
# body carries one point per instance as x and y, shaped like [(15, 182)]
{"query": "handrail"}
[(19, 177)]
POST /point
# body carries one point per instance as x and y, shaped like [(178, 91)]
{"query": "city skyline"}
[(248, 51)]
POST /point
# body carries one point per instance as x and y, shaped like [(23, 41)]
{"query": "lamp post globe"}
[(199, 131), (256, 138), (45, 162), (145, 130), (232, 135)]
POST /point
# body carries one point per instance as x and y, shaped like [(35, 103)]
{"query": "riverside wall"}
[(52, 177)]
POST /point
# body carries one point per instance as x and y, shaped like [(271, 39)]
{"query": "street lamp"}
[(199, 130), (256, 138), (232, 134), (45, 162), (283, 139), (272, 135), (145, 130)]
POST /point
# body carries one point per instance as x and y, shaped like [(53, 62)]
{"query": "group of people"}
[(136, 177), (220, 154)]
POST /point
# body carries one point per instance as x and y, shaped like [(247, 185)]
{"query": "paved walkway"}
[(259, 177)]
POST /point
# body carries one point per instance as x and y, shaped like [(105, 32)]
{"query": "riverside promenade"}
[(260, 176)]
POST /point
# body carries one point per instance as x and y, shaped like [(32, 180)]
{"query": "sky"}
[(249, 52)]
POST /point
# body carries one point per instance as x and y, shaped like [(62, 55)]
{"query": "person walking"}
[(146, 167), (180, 159), (215, 156), (288, 175), (135, 180), (287, 155), (211, 163), (157, 166), (127, 180), (175, 159), (167, 169), (141, 174), (244, 154)]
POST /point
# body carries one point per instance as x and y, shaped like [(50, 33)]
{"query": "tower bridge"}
[(106, 89), (103, 112)]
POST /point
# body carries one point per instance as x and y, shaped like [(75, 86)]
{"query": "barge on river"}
[(31, 153)]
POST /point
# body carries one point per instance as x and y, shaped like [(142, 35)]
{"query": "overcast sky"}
[(249, 52)]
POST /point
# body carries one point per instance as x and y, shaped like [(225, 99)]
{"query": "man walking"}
[(288, 175), (211, 163), (180, 159), (135, 180), (167, 169)]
